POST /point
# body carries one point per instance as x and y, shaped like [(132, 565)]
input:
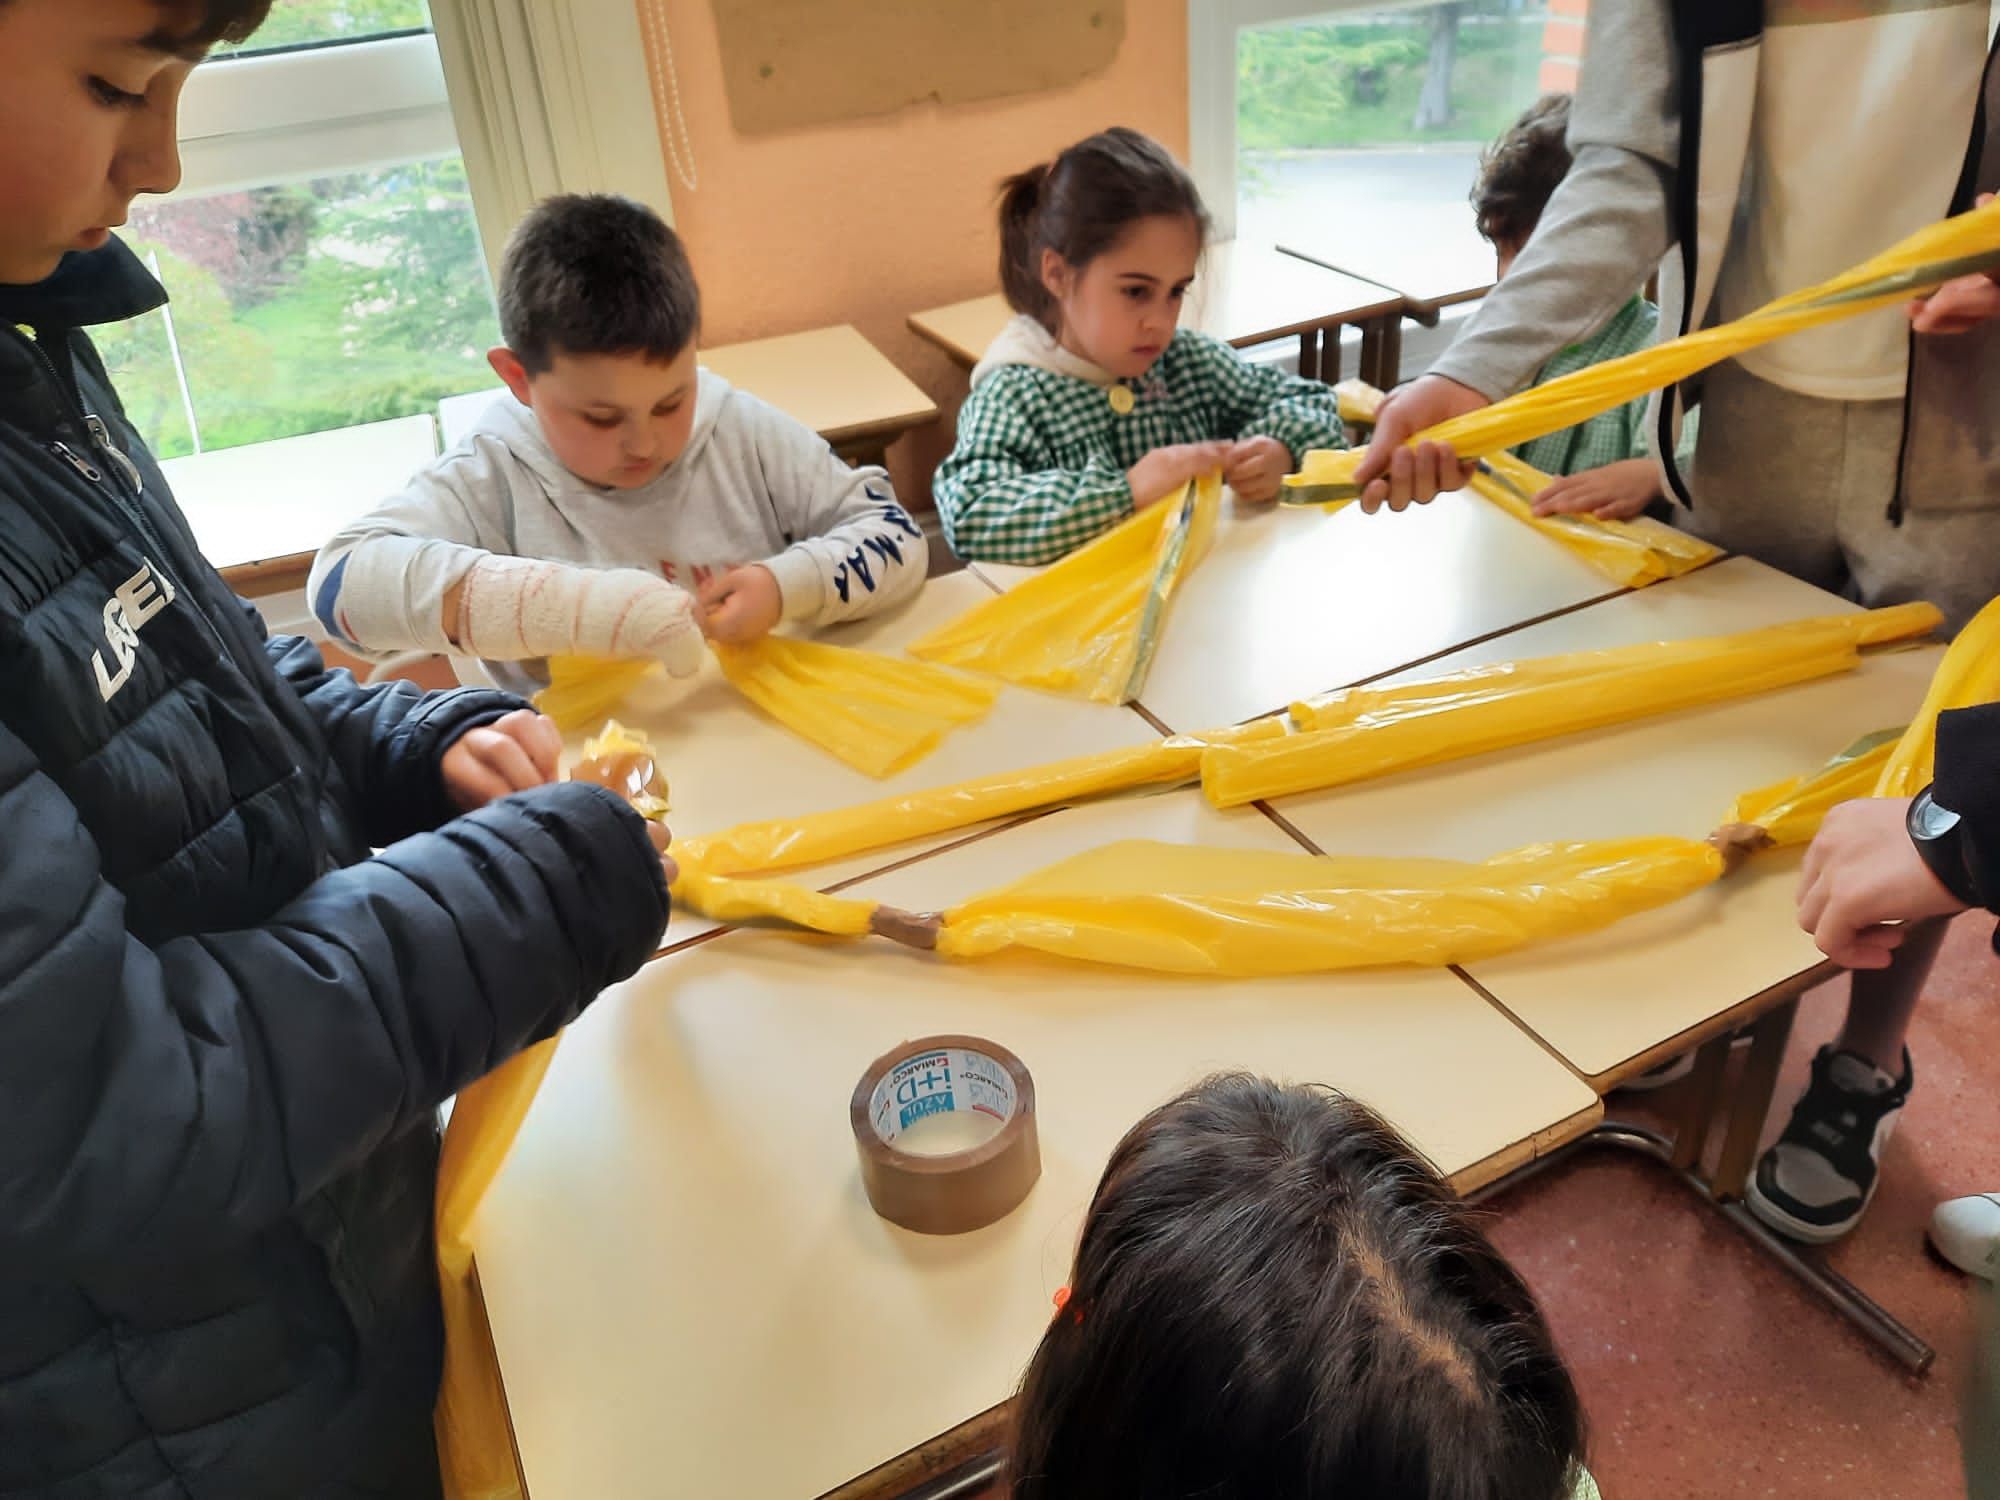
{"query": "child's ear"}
[(1056, 275), (507, 365)]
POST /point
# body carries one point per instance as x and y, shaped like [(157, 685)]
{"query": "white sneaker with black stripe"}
[(1816, 1182)]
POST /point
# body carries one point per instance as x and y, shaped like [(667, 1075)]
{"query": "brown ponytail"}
[(1020, 257), (1079, 206)]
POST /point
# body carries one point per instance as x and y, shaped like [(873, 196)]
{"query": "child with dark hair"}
[(225, 1025), (1604, 465), (626, 502), (1276, 1298), (1092, 403)]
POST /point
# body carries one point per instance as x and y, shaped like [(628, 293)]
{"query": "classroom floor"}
[(1705, 1370)]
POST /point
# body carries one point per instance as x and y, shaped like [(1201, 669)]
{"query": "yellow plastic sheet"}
[(1790, 811), (1242, 913), (793, 843), (727, 899), (1088, 626), (1932, 256), (1968, 675), (584, 691), (1366, 732), (1184, 909), (1630, 553), (879, 714), (475, 1443)]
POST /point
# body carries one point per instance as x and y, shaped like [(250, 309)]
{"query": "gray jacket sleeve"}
[(1610, 221)]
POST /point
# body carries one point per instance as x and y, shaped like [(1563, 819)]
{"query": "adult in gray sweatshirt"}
[(1768, 144)]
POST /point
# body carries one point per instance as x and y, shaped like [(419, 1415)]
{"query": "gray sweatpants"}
[(1804, 484)]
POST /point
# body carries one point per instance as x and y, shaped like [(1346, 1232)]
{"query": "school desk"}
[(1431, 271), (1617, 1002), (679, 1255), (1290, 602), (727, 762), (261, 512), (1244, 294), (831, 379)]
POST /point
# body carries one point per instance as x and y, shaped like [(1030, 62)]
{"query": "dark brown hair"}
[(1519, 172), (592, 273), (197, 25), (1276, 1298), (1080, 204)]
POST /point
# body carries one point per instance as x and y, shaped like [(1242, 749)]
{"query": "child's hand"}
[(741, 606), (508, 755), (1165, 470), (1616, 492), (658, 833), (1256, 467), (1861, 873)]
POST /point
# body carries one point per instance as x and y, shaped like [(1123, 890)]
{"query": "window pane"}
[(1359, 133), (304, 307), (299, 23)]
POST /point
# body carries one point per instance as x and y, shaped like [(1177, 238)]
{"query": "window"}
[(328, 251), (1354, 131), (322, 255)]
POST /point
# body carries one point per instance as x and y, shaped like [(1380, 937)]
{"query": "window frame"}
[(1212, 41)]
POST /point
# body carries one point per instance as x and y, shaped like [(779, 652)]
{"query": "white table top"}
[(1243, 293), (1290, 602), (684, 1277), (726, 762), (1454, 265), (831, 379), (282, 499), (1604, 1000)]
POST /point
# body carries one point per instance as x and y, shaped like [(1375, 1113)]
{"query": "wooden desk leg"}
[(1309, 354), (1329, 354), (1704, 1093), (1382, 351), (1752, 1102)]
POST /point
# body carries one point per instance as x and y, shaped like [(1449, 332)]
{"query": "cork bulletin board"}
[(792, 63)]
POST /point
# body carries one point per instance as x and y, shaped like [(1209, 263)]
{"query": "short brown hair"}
[(593, 273), (200, 24), (197, 25), (1518, 173)]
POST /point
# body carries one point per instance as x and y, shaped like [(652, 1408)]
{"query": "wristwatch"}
[(1939, 837)]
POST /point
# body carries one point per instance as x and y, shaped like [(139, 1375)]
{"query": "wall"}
[(869, 221)]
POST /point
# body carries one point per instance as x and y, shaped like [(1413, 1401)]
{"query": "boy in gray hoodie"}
[(624, 503)]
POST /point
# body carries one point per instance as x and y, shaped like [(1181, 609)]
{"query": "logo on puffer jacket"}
[(137, 600)]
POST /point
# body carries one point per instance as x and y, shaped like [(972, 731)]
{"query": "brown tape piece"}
[(956, 1191)]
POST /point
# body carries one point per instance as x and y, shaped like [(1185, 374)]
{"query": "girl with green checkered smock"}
[(1092, 403)]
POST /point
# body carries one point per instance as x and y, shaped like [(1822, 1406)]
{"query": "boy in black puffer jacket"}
[(224, 1027)]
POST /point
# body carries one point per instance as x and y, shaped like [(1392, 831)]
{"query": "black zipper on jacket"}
[(96, 435)]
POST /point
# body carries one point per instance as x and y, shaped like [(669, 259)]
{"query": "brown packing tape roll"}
[(954, 1191)]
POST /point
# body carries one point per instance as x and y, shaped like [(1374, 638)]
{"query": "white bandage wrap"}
[(516, 607)]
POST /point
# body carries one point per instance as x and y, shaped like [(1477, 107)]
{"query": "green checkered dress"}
[(1039, 468), (1612, 436)]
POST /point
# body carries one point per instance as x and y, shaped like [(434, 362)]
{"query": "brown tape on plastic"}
[(950, 1191)]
